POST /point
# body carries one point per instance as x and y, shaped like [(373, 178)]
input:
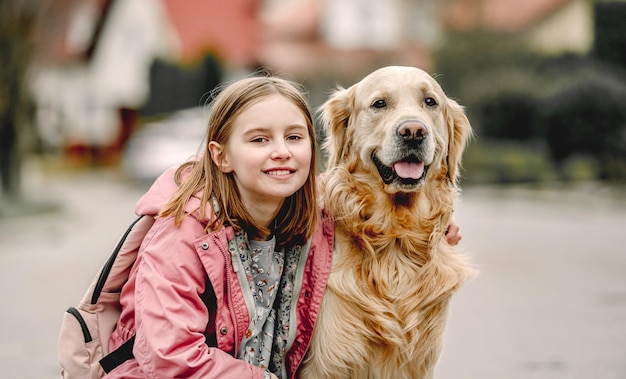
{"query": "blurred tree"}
[(588, 117), (610, 32), (17, 21), (509, 116), (174, 87)]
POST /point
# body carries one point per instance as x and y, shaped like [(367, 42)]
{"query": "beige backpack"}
[(83, 342)]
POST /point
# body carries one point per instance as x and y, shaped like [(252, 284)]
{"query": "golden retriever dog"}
[(395, 142)]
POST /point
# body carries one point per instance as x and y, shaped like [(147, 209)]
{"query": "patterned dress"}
[(270, 277)]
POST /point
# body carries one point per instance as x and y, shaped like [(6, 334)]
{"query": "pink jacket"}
[(163, 302)]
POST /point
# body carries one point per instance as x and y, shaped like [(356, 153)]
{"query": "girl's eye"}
[(379, 104), (294, 137), (259, 139), (430, 101)]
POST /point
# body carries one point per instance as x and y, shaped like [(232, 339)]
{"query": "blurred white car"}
[(159, 145)]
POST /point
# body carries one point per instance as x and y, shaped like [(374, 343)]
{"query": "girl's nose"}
[(281, 151)]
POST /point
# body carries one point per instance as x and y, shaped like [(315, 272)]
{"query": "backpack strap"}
[(118, 356), (129, 242), (113, 276)]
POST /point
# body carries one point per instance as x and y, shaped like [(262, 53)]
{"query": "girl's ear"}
[(219, 157)]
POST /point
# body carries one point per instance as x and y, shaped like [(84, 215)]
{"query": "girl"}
[(229, 279)]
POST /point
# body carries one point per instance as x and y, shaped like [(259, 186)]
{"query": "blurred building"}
[(99, 65), (548, 26), (107, 60), (95, 70), (342, 40)]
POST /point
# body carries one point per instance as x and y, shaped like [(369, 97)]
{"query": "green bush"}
[(588, 116), (510, 116), (504, 162), (572, 105)]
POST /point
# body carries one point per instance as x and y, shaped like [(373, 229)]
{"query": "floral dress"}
[(270, 276)]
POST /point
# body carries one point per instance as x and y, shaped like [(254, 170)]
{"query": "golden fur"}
[(384, 310)]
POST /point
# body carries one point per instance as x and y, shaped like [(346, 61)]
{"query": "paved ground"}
[(551, 298), (550, 301)]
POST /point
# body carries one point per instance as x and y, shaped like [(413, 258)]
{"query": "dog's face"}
[(398, 124)]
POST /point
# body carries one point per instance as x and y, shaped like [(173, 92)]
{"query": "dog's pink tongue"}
[(409, 170)]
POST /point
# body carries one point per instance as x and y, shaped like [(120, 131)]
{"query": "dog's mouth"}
[(407, 171)]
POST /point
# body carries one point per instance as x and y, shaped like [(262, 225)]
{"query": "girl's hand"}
[(453, 234)]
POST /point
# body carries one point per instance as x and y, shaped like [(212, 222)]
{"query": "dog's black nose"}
[(412, 131)]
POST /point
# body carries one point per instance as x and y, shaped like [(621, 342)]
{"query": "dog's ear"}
[(460, 132), (335, 114)]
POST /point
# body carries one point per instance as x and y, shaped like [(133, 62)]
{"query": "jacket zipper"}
[(244, 285), (229, 301), (297, 288)]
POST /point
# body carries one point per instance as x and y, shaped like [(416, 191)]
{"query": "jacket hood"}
[(161, 191)]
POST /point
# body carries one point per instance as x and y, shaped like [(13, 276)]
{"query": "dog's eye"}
[(379, 104), (430, 102)]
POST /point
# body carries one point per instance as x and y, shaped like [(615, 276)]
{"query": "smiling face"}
[(268, 152), (396, 123)]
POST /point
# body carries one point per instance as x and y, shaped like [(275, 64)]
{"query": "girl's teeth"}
[(279, 172)]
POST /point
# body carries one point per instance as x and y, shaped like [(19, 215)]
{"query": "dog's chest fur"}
[(392, 278)]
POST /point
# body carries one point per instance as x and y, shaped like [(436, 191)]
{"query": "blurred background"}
[(98, 97)]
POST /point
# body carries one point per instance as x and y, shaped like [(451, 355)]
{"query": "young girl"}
[(229, 279)]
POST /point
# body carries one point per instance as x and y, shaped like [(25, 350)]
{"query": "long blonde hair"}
[(296, 219)]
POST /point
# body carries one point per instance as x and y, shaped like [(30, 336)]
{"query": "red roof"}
[(227, 28), (500, 15)]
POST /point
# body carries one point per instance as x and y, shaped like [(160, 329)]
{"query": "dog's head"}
[(398, 124)]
